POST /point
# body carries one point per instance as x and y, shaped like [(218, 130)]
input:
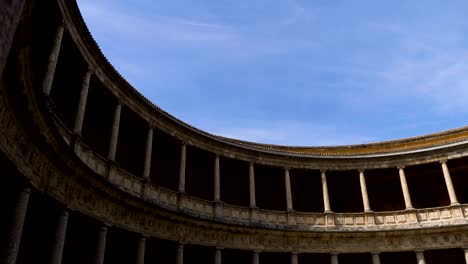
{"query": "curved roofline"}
[(389, 147)]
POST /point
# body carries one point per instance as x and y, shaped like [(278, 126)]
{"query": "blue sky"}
[(294, 72)]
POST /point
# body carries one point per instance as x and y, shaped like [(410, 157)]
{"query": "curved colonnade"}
[(92, 166)]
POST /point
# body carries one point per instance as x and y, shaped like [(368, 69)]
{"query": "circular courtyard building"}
[(93, 172)]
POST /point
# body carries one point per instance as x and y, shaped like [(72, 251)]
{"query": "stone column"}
[(420, 257), (217, 183), (465, 251), (365, 197), (148, 154), (375, 258), (141, 250), (16, 227), (255, 258), (287, 183), (253, 202), (183, 159), (448, 182), (294, 258), (217, 256), (101, 245), (79, 117), (404, 187), (59, 238), (180, 254), (10, 16), (115, 133), (334, 258), (52, 63), (326, 199)]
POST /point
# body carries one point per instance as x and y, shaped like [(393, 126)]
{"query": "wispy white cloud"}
[(293, 133), (156, 29)]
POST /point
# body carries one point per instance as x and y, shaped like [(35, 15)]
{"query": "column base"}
[(218, 209), (291, 217), (254, 214)]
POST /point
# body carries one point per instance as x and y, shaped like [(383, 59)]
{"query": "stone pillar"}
[(79, 117), (141, 250), (420, 257), (375, 258), (115, 133), (16, 227), (326, 199), (465, 251), (52, 63), (217, 256), (294, 258), (365, 197), (183, 159), (180, 254), (253, 202), (217, 183), (255, 258), (11, 13), (334, 258), (59, 238), (287, 183), (448, 182), (148, 154), (404, 187), (101, 246)]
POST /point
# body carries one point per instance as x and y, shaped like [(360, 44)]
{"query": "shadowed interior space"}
[(306, 190), (384, 190), (97, 123), (353, 258), (269, 187), (459, 173), (427, 185), (344, 191), (131, 143), (68, 80), (199, 174), (165, 160), (234, 177)]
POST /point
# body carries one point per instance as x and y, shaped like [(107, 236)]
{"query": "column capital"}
[(91, 69), (334, 253), (400, 167), (361, 170), (375, 253), (106, 225), (63, 23), (322, 170), (26, 188), (443, 161)]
